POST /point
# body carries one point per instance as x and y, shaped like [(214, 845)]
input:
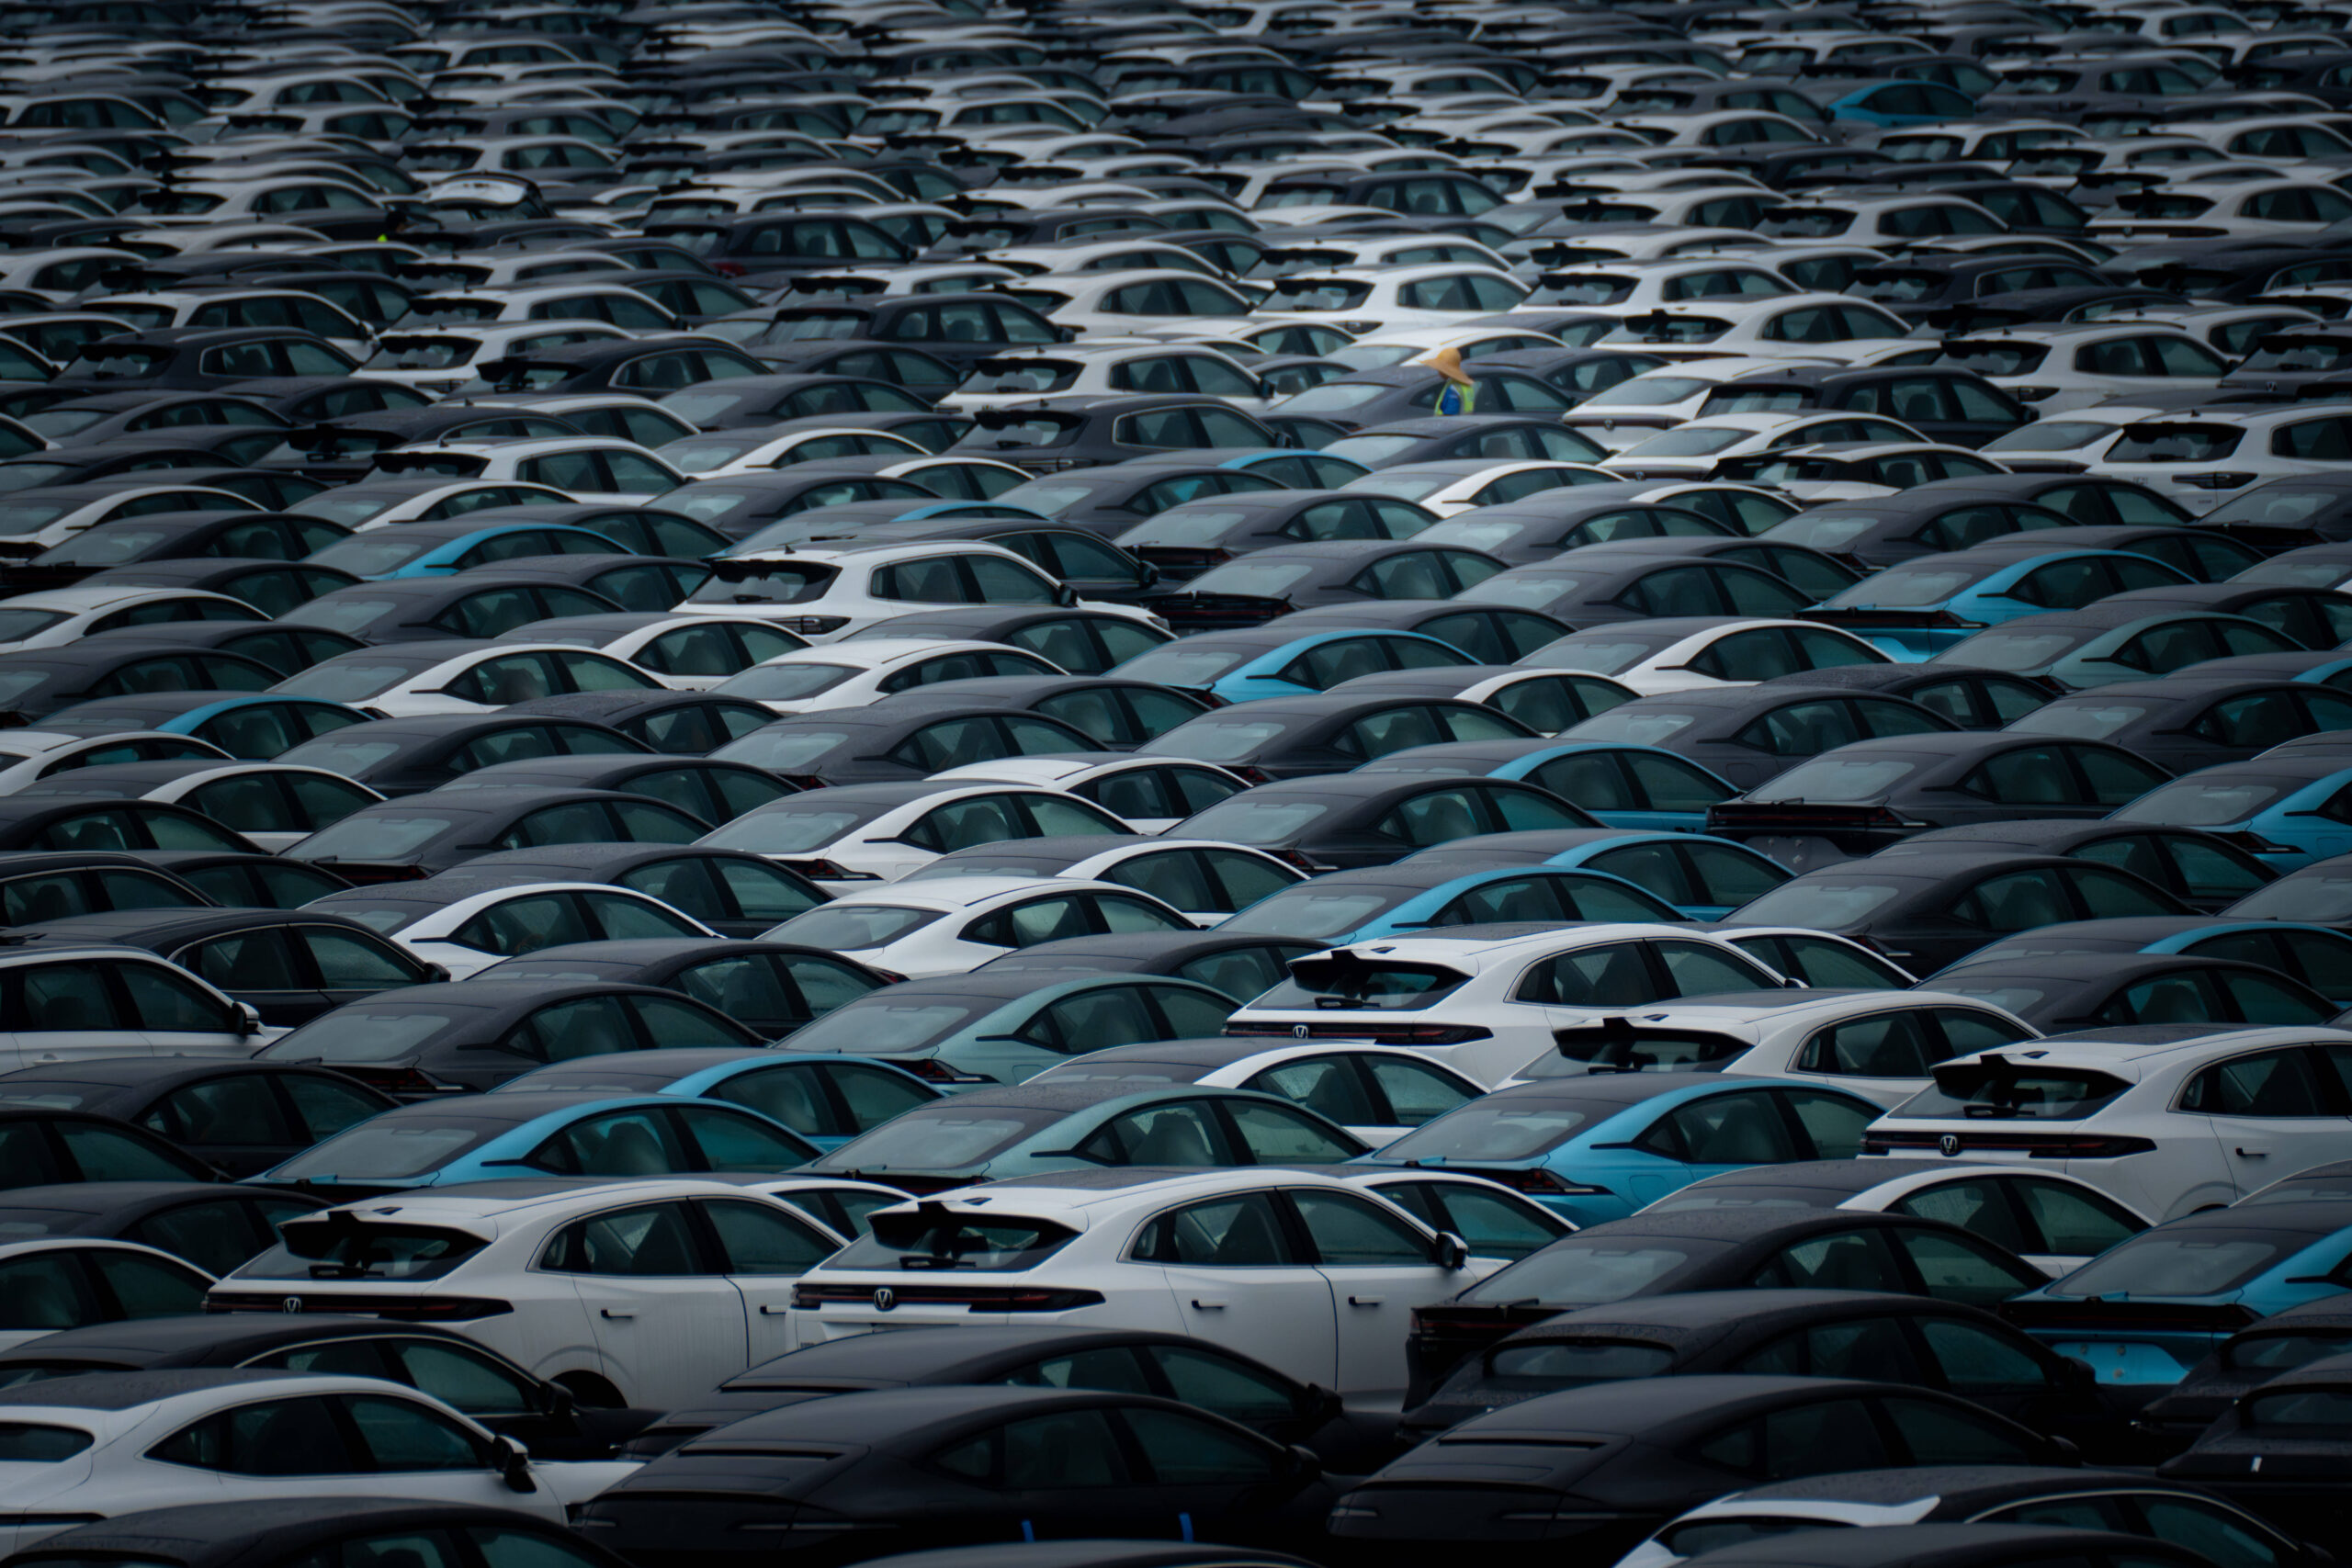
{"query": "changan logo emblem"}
[(1949, 1144), (885, 1298), (292, 1303)]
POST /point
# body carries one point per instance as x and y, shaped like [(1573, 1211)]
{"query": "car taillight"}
[(974, 1298), (825, 870), (930, 1070), (1379, 1034), (1259, 776), (1539, 1180), (2254, 844), (813, 625), (2213, 481), (2031, 394), (1864, 615), (727, 268), (362, 873), (2037, 1145), (446, 1309)]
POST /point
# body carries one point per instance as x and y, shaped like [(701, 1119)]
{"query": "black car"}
[(44, 822), (1397, 443), (269, 586), (172, 359), (481, 604), (397, 756), (676, 724), (1167, 1366), (910, 1468), (1336, 822), (37, 682), (1752, 734), (1112, 499), (1277, 582), (710, 791), (1802, 1333), (2269, 1449), (960, 329), (49, 886), (1600, 585), (2057, 991), (174, 535), (1608, 1462), (770, 988), (440, 1040), (216, 1227), (1966, 1545), (1489, 634), (1082, 432), (1328, 906), (1363, 399), (1184, 541), (1121, 715), (1926, 911), (1862, 796), (1240, 965), (288, 968), (409, 837), (647, 530), (1971, 699), (1536, 529), (2297, 510), (36, 1150), (894, 740), (292, 1533), (735, 893), (2295, 1336), (1289, 738), (246, 879), (738, 506), (2191, 720), (442, 1362), (1082, 642), (2202, 870), (646, 366), (1943, 402), (751, 402)]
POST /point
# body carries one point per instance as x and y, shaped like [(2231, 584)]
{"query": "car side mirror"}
[(1303, 1464), (2066, 1448), (1066, 596), (435, 974), (1322, 1404), (560, 1405), (248, 1019), (1449, 1251), (515, 1465)]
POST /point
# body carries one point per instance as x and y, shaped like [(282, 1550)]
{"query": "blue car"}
[(486, 1137), (2287, 808), (2146, 1309), (1418, 892), (443, 549), (1592, 1149), (1915, 611), (1704, 878), (827, 1099), (1625, 787), (1275, 661), (1904, 102)]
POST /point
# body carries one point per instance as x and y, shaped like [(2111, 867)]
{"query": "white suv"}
[(826, 594)]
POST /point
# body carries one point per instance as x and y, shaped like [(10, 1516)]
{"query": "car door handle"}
[(1364, 1301), (769, 1309), (2255, 1153), (616, 1316), (1207, 1306)]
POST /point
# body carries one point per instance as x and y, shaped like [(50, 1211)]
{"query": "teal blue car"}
[(1704, 878), (995, 1135), (1422, 892), (443, 549), (1904, 102), (826, 1100), (1916, 610), (2286, 808)]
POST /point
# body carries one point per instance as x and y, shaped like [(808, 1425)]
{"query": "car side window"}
[(402, 1435), (1346, 1230), (1973, 1360), (273, 1437), (1743, 1127), (1936, 1433), (1245, 1232), (756, 1239), (2262, 1084), (650, 1241), (1067, 1451), (1216, 1382), (1876, 1348), (1961, 1269), (1819, 1438)]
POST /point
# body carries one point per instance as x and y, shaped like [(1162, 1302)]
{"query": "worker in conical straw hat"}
[(1460, 394)]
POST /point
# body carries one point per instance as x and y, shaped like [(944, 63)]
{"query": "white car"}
[(1647, 286), (855, 674), (1080, 370), (2055, 1221), (1457, 484), (1150, 794), (644, 1292), (406, 679), (849, 837), (2240, 210), (1818, 326), (2169, 1127), (1210, 1254), (1097, 302), (579, 467), (67, 1281), (158, 309), (1382, 298), (1616, 417), (2057, 369), (839, 1204), (2199, 461), (1378, 1092), (438, 360), (1378, 350), (1492, 1220), (1487, 1006), (1878, 1044), (722, 454), (205, 1435), (80, 1002), (826, 594), (465, 924), (1672, 654), (61, 616), (952, 925), (363, 506), (1698, 447)]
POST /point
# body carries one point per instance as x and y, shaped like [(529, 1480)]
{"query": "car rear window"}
[(390, 1148), (921, 1241), (2181, 1263), (346, 1247), (28, 1442), (1983, 1091), (1584, 1271), (1480, 1132), (1352, 985)]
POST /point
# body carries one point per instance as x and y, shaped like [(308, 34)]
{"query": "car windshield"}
[(1241, 820), (1222, 740), (1908, 588), (1181, 665), (2021, 653), (1603, 653), (1831, 780), (842, 927), (1584, 1271), (2007, 1092), (1819, 905), (876, 1025), (927, 1239), (788, 828), (2174, 443), (1571, 1363), (2186, 1263), (1509, 1129), (368, 837), (351, 680)]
